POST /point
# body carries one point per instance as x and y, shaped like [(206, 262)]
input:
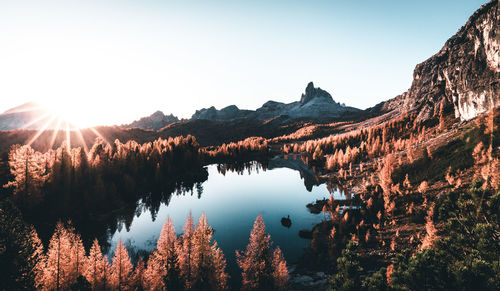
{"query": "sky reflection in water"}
[(231, 203)]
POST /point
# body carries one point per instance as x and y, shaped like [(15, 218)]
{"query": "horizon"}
[(83, 58)]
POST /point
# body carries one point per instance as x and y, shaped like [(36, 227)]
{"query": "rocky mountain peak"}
[(464, 74), (312, 92), (155, 121)]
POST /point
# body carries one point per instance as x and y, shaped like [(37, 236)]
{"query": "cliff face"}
[(465, 72)]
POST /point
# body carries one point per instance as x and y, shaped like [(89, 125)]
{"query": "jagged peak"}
[(313, 92)]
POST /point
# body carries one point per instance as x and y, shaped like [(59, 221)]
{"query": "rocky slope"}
[(155, 121), (315, 103), (464, 74)]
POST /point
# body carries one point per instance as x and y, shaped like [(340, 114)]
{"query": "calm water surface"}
[(231, 202)]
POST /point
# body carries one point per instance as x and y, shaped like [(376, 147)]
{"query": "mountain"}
[(30, 115), (315, 103), (464, 75), (155, 121), (226, 113)]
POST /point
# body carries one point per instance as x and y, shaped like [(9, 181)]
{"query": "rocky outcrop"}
[(465, 73), (226, 113), (155, 121), (312, 92), (315, 103)]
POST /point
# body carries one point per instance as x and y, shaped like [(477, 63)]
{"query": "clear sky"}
[(110, 62)]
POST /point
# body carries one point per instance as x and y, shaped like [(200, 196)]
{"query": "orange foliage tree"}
[(121, 268), (261, 268)]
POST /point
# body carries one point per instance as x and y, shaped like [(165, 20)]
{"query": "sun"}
[(62, 116), (76, 116)]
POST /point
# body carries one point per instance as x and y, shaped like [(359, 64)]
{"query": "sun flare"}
[(59, 117), (77, 116)]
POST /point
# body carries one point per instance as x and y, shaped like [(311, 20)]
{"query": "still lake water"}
[(231, 202)]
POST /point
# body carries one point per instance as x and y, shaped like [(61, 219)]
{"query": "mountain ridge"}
[(314, 103), (155, 121)]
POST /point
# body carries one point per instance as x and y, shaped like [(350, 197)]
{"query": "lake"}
[(231, 201)]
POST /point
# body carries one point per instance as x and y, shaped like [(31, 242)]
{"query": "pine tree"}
[(38, 257), (219, 267), (121, 268), (256, 262), (185, 250), (20, 251), (348, 270), (57, 272), (151, 280), (106, 280), (163, 266), (28, 169), (95, 271), (207, 260), (280, 272), (78, 258), (138, 277), (430, 230)]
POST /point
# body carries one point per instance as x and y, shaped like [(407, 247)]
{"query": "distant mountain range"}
[(315, 103)]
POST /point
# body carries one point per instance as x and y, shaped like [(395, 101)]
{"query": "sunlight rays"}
[(57, 123), (68, 138), (98, 134), (38, 119), (41, 130), (54, 134), (80, 136)]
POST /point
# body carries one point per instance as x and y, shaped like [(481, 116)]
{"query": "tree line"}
[(82, 184), (191, 261), (105, 174)]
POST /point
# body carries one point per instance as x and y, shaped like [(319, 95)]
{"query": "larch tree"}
[(185, 249), (106, 281), (28, 168), (280, 272), (163, 266), (207, 259), (137, 282), (21, 253), (151, 280), (121, 268), (256, 263), (219, 267), (57, 271), (430, 230), (38, 257), (95, 271), (78, 258)]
